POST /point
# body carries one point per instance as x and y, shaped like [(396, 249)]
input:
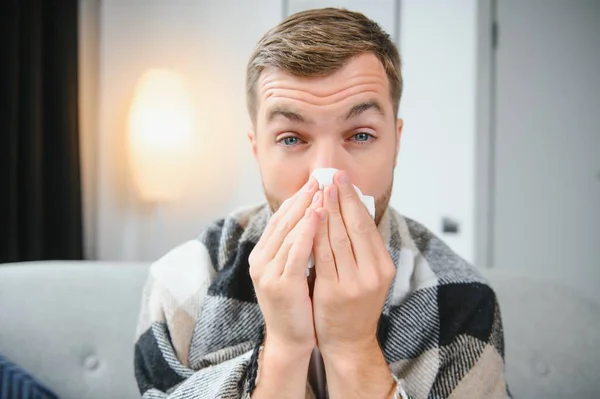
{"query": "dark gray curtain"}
[(40, 188)]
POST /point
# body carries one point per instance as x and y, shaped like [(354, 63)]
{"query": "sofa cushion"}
[(551, 337), (72, 325)]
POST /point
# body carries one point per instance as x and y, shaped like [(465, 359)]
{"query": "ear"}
[(252, 138), (399, 126)]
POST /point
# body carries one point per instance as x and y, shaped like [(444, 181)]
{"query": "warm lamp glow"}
[(160, 135)]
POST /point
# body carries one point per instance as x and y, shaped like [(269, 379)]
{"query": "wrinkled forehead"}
[(362, 79)]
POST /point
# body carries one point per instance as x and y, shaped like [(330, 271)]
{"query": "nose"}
[(329, 154)]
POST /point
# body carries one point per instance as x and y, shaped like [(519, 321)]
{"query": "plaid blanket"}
[(200, 325), (16, 383)]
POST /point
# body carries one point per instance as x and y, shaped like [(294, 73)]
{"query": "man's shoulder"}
[(445, 263), (443, 288), (208, 252), (183, 268)]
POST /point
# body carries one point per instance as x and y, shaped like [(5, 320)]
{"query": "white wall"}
[(210, 43), (546, 209), (435, 176)]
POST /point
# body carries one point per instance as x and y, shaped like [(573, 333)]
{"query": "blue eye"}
[(290, 141), (362, 137)]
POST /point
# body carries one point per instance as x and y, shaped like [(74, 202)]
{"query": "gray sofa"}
[(72, 325)]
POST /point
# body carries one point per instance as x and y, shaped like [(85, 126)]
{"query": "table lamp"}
[(160, 135)]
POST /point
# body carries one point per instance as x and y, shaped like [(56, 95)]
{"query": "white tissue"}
[(325, 178)]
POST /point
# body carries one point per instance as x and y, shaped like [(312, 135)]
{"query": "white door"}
[(546, 141)]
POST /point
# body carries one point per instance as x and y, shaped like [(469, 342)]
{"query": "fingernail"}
[(309, 185), (316, 197), (333, 192), (344, 179)]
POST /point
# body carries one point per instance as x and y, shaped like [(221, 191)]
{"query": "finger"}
[(317, 200), (256, 259), (280, 258), (324, 260), (339, 241), (360, 226), (278, 265), (274, 220), (302, 245), (288, 221)]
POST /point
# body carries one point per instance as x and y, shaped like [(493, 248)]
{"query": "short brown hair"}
[(319, 42)]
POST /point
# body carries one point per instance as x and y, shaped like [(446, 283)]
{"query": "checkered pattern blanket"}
[(16, 383), (200, 324)]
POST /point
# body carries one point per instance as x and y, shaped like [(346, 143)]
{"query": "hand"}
[(354, 273), (277, 268)]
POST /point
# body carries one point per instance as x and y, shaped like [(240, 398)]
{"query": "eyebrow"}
[(358, 109), (354, 112), (286, 113)]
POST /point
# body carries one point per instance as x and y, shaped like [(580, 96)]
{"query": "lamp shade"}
[(160, 135)]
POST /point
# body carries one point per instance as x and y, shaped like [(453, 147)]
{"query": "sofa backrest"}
[(552, 337), (72, 325)]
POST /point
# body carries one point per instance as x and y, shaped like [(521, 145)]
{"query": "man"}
[(390, 310)]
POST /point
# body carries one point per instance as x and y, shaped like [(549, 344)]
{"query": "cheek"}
[(282, 177), (374, 175)]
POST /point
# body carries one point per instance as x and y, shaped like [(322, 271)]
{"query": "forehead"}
[(362, 77)]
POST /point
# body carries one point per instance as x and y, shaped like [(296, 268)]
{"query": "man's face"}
[(344, 121)]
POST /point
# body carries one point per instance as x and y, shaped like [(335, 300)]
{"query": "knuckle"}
[(254, 278), (267, 285), (347, 194), (342, 242), (277, 216), (257, 281), (288, 241), (283, 225), (324, 257), (253, 272), (255, 259), (334, 210), (293, 257), (373, 283), (273, 222), (389, 273), (284, 206), (322, 233), (363, 227), (354, 292), (252, 259)]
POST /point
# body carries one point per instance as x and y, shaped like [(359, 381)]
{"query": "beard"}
[(381, 202)]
